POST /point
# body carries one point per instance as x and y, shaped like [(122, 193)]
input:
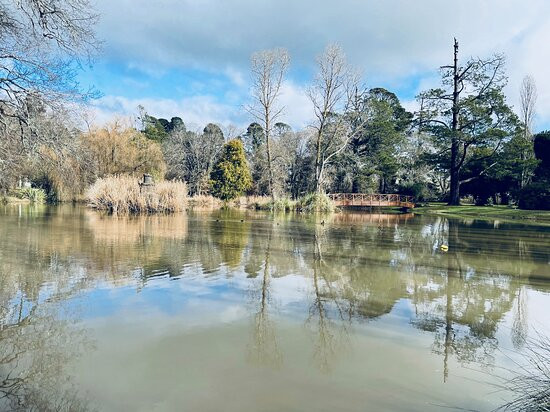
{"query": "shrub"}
[(530, 382), (252, 202), (283, 204), (34, 195), (123, 194), (315, 202), (204, 202)]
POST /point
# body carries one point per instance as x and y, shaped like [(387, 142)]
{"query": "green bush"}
[(420, 191), (283, 204), (535, 196), (34, 195)]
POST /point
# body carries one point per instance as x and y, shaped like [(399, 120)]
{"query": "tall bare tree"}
[(332, 94), (528, 100), (269, 68), (43, 44)]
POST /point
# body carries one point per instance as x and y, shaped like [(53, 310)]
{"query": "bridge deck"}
[(372, 200)]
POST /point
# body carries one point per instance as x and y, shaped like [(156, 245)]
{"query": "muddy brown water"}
[(243, 311)]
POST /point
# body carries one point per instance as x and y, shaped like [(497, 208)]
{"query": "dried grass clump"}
[(530, 383), (251, 202), (205, 202), (123, 195)]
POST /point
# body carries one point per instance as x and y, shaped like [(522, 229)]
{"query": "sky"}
[(191, 58)]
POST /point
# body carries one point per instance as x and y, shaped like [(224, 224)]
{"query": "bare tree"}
[(528, 100), (191, 155), (42, 44), (268, 71), (332, 94)]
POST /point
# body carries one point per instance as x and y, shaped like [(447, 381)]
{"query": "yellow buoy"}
[(444, 248)]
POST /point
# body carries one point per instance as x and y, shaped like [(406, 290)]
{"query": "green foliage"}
[(542, 153), (159, 129), (254, 144), (376, 147), (468, 112), (283, 204), (34, 195), (535, 196), (419, 190), (231, 174)]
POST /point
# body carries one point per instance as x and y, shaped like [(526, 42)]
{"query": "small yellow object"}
[(444, 248)]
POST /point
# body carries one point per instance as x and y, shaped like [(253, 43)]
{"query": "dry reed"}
[(124, 195)]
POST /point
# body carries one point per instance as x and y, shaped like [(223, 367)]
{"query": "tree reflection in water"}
[(264, 349), (463, 308), (36, 343), (357, 268), (330, 333), (454, 297)]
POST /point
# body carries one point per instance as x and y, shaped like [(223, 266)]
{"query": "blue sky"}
[(190, 58)]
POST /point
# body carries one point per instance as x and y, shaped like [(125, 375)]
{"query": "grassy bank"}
[(505, 213), (24, 195), (308, 203)]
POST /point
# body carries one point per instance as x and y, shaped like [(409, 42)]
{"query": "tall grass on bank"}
[(530, 383), (242, 202), (310, 203), (315, 202), (32, 194), (123, 194)]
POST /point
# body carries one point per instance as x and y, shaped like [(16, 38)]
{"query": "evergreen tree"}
[(537, 194), (469, 111), (231, 174)]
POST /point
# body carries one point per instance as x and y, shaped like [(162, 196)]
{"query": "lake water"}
[(241, 311)]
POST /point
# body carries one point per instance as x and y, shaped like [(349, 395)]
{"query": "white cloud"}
[(298, 111), (392, 40), (196, 111)]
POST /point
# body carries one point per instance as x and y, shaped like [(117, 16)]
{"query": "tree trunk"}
[(268, 148), (454, 190), (454, 198), (318, 164)]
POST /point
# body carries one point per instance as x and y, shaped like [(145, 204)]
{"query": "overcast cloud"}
[(397, 44)]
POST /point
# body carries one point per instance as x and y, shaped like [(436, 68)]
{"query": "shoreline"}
[(494, 213)]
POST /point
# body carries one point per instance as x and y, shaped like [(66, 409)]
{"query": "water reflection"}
[(264, 349), (329, 335), (331, 275), (37, 340)]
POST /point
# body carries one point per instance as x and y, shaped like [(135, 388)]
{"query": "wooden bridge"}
[(371, 200)]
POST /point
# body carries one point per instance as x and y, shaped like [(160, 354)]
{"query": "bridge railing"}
[(370, 199)]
